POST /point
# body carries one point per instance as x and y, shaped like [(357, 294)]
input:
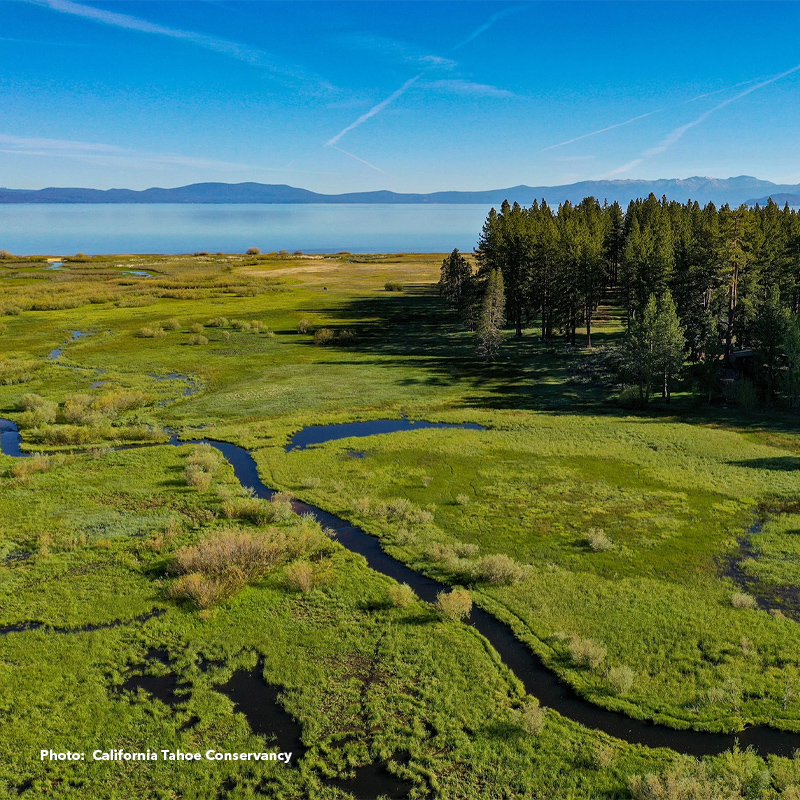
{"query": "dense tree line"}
[(726, 279)]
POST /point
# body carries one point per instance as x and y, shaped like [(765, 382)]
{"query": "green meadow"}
[(630, 560)]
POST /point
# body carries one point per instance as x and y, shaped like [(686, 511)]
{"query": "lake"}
[(64, 229)]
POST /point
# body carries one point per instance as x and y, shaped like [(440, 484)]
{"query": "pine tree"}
[(640, 348), (492, 317), (791, 347), (456, 272), (670, 343), (772, 322)]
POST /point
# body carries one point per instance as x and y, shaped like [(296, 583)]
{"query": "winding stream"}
[(537, 679)]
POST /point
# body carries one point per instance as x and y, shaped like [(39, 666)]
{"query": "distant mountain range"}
[(734, 191)]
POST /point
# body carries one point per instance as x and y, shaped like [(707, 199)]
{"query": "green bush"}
[(532, 717), (620, 679), (198, 339), (598, 541), (499, 568), (324, 336), (150, 332), (743, 600), (305, 326), (585, 652), (401, 595), (454, 605)]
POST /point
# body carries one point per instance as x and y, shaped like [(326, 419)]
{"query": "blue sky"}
[(408, 96)]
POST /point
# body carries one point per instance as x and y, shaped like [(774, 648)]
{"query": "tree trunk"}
[(588, 327), (732, 302)]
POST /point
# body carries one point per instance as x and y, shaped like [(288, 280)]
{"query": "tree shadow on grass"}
[(414, 329), (777, 464)]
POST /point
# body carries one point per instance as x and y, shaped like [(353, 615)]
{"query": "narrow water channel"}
[(537, 679)]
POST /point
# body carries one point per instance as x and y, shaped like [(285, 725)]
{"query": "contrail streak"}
[(404, 88), (602, 130), (674, 136), (352, 155), (374, 110), (642, 116), (485, 27)]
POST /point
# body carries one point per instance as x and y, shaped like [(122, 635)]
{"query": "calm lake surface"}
[(27, 229)]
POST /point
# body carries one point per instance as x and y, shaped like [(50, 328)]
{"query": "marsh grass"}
[(673, 489)]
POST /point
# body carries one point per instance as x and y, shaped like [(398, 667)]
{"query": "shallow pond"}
[(319, 434)]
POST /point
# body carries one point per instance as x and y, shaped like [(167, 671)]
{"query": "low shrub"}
[(253, 251), (597, 540), (69, 434), (324, 336), (172, 324), (198, 339), (585, 652), (151, 332), (302, 576), (218, 322), (743, 600), (499, 569), (401, 595), (197, 478), (305, 326), (392, 286), (240, 325), (465, 549), (197, 328), (620, 679), (462, 499), (454, 605), (201, 464), (532, 717), (222, 564), (258, 511), (601, 756), (25, 467), (37, 411)]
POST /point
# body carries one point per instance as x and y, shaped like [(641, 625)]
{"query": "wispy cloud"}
[(112, 155), (467, 88), (236, 50), (396, 50), (374, 110)]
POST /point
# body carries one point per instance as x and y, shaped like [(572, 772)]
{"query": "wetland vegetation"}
[(616, 541)]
